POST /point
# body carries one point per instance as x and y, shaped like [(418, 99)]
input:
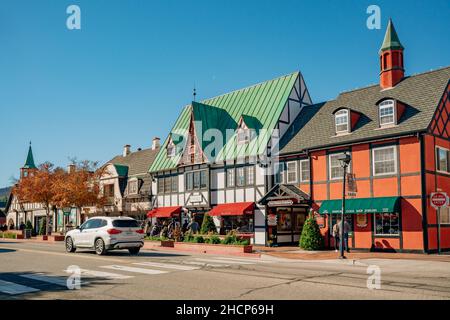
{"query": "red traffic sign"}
[(438, 199)]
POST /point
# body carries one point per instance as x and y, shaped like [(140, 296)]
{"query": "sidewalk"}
[(298, 254)]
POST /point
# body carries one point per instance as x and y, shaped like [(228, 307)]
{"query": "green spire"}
[(391, 40), (29, 164)]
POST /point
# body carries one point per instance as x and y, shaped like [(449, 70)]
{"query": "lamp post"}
[(345, 161)]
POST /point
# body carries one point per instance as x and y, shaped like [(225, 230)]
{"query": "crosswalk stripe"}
[(166, 266), (253, 260), (135, 270), (41, 277), (102, 274), (14, 288), (224, 261)]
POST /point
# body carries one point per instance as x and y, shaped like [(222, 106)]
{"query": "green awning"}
[(362, 205)]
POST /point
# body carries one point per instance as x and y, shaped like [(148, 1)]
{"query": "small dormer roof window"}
[(171, 149), (387, 112), (341, 119)]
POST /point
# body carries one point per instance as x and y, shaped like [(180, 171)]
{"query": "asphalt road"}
[(40, 271)]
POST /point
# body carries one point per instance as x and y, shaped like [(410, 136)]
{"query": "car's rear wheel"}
[(69, 245), (134, 250), (100, 247)]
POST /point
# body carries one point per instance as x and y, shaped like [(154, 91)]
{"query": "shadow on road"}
[(7, 250), (153, 254), (32, 285)]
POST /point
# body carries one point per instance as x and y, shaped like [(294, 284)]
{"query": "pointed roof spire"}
[(391, 40), (29, 164)]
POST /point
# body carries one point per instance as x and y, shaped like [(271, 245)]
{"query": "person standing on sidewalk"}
[(347, 229), (335, 233)]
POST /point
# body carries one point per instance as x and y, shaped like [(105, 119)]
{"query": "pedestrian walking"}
[(335, 233)]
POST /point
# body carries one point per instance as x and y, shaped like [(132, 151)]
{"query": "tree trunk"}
[(47, 222)]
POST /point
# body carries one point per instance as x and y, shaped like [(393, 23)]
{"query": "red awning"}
[(233, 209), (164, 212)]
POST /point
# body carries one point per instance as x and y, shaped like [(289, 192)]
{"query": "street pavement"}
[(41, 271)]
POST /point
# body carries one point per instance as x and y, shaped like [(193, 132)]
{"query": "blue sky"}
[(124, 77)]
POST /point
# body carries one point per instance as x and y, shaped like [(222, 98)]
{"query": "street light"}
[(344, 159)]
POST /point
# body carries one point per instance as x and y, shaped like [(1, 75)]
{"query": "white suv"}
[(106, 233)]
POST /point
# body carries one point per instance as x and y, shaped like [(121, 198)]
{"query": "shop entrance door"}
[(290, 221)]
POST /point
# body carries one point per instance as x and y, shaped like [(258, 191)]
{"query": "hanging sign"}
[(438, 199), (351, 185), (280, 203)]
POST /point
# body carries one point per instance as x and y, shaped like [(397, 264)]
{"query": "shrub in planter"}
[(188, 237), (311, 238), (214, 240), (199, 239), (7, 235), (208, 225), (230, 239)]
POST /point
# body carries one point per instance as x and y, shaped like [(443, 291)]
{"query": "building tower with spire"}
[(29, 164), (391, 59)]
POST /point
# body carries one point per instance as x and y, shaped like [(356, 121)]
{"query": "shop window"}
[(347, 217), (291, 172), (189, 181), (241, 224), (341, 121), (384, 161), (230, 177), (203, 180), (444, 217), (175, 184), (284, 219), (250, 175), (336, 170), (387, 224), (387, 112), (240, 176), (442, 162), (304, 171), (279, 173), (167, 184)]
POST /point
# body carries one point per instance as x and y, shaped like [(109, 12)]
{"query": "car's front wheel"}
[(100, 247), (134, 250), (69, 245)]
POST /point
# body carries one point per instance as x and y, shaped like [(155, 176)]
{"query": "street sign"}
[(438, 199)]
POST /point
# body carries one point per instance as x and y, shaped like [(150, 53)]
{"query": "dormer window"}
[(387, 112), (341, 121), (243, 136), (171, 151)]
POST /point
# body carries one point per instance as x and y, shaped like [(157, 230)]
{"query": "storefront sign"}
[(272, 220), (280, 203), (361, 220), (438, 199), (197, 198)]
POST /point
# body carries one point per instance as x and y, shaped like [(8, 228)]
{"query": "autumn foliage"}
[(56, 188)]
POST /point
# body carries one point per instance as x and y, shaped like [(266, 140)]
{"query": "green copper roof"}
[(260, 105), (391, 40), (29, 164), (122, 171)]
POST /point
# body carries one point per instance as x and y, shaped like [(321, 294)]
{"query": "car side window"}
[(103, 223), (90, 224)]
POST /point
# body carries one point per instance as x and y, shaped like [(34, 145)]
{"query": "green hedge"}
[(8, 235)]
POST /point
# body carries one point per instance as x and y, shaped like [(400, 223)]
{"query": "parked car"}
[(106, 233)]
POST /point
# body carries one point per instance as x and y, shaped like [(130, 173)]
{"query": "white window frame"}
[(250, 171), (438, 148), (340, 114), (233, 175), (133, 182), (395, 161), (243, 136), (301, 171), (385, 104), (237, 177), (295, 171), (329, 165), (171, 151), (386, 234)]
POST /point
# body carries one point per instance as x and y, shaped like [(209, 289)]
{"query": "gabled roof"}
[(264, 102), (285, 191), (29, 163), (420, 93), (136, 163), (391, 40)]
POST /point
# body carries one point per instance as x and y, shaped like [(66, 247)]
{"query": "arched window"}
[(341, 121), (387, 112)]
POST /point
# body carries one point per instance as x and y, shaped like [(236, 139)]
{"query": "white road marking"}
[(134, 270), (166, 266), (101, 274), (14, 288), (253, 260), (41, 277), (224, 261)]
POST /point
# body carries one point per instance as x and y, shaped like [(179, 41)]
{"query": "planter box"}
[(42, 238), (214, 248), (150, 244), (56, 238), (167, 244), (20, 236)]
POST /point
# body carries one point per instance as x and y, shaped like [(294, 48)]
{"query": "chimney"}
[(126, 150), (155, 144), (71, 168)]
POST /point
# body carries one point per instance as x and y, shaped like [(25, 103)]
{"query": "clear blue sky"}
[(123, 78)]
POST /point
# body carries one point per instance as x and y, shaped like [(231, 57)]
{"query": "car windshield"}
[(125, 224)]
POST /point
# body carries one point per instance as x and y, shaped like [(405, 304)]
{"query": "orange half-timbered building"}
[(397, 135)]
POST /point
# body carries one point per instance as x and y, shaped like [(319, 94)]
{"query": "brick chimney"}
[(71, 168), (156, 143), (126, 150)]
